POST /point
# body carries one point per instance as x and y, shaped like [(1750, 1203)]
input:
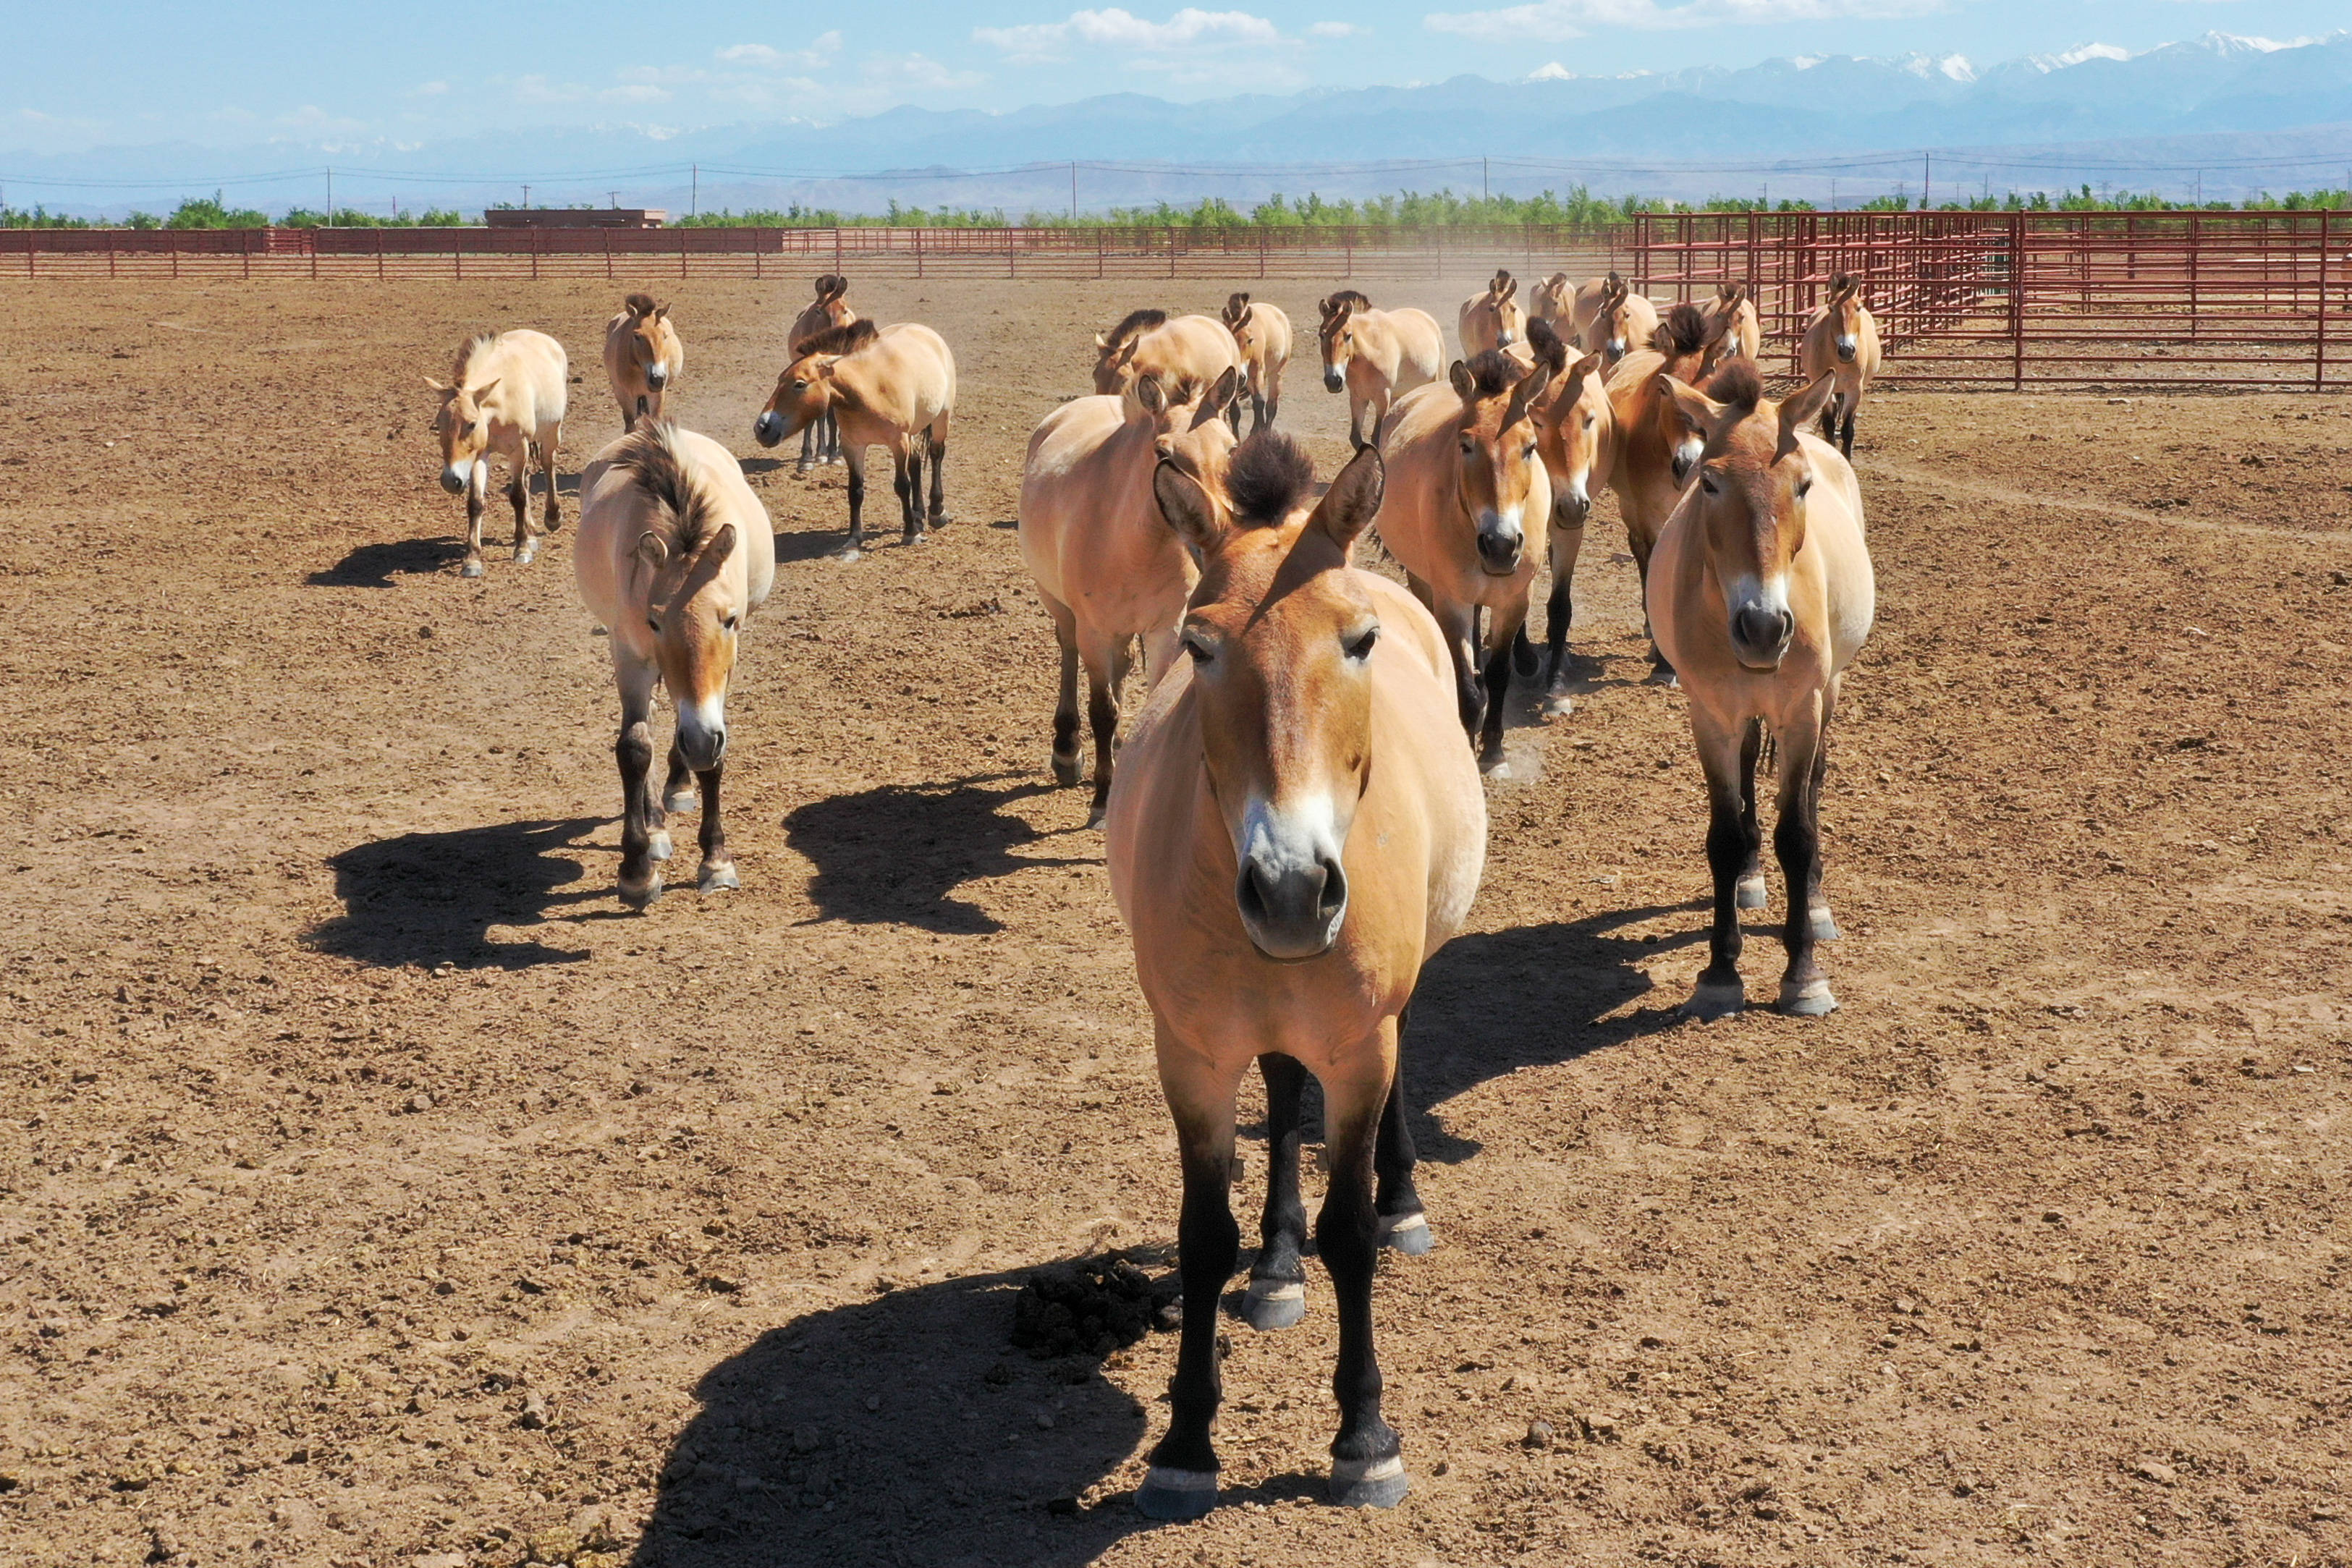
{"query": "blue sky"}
[(321, 75)]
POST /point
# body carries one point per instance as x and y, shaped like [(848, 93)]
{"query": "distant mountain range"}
[(2267, 115)]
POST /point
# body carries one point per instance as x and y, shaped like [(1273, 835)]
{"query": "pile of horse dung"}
[(1091, 1306)]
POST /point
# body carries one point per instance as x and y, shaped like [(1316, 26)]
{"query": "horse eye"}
[(1803, 486), (800, 386), (1469, 446), (1361, 647), (652, 624), (1707, 482), (1589, 421), (1197, 649), (728, 623), (1530, 451)]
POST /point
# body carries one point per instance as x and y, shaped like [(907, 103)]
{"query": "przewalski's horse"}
[(887, 386), (821, 442), (1576, 435), (1733, 330), (1186, 351), (1656, 447), (675, 553), (1761, 593), (642, 357), (1842, 337), (1295, 829), (1491, 318), (1105, 562), (507, 395), (1554, 304), (1376, 356), (1262, 338), (1612, 319), (1466, 487)]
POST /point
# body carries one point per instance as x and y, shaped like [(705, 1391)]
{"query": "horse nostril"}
[(1760, 628), (1334, 897)]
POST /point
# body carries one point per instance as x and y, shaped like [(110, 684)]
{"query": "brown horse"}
[(1612, 319), (887, 386), (1656, 447), (509, 394), (642, 357), (1554, 304), (1465, 487), (1375, 356), (1182, 351), (1576, 434), (1262, 338), (1491, 318), (1105, 563), (1761, 593), (1733, 330), (1843, 337), (1295, 829), (675, 553), (821, 442)]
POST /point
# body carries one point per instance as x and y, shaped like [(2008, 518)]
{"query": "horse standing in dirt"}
[(1262, 338), (1186, 349), (507, 395), (1612, 319), (1576, 435), (1491, 318), (1376, 356), (675, 553), (1655, 447), (1843, 337), (1733, 329), (1466, 485), (1108, 567), (1553, 302), (1761, 593), (642, 357), (890, 386), (821, 442), (1295, 829)]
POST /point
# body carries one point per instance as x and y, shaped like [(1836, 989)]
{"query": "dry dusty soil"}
[(375, 1189)]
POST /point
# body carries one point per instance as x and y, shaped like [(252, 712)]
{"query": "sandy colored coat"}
[(1841, 320), (1610, 320), (831, 308), (510, 395), (633, 344), (1261, 340), (1491, 318), (1185, 353), (1377, 356), (1733, 328), (1650, 433), (1553, 302)]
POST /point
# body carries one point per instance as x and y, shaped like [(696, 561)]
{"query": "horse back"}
[(534, 377)]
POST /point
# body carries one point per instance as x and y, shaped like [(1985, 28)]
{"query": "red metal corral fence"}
[(2252, 300), (2238, 299)]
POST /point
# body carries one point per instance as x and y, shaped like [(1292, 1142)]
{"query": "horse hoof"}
[(912, 537), (658, 847), (848, 552), (803, 470), (1369, 1483), (1495, 764), (1526, 660), (1094, 816), (1408, 1233), (1663, 676), (1824, 928), (526, 554), (1559, 705), (1065, 771), (1751, 894), (473, 567), (719, 877), (1177, 1494), (1270, 1305), (641, 897), (1807, 1000), (941, 519), (684, 800), (1715, 999)]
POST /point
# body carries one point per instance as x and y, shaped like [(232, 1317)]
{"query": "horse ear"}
[(1803, 408), (1463, 382), (721, 545), (1510, 287), (481, 390), (1151, 395), (1186, 506), (661, 312), (1102, 342), (1523, 395), (1585, 368), (437, 386), (1354, 498), (1221, 395), (651, 550), (1699, 410)]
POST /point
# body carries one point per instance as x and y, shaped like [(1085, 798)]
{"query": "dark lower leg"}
[(634, 752), (1796, 838), (1395, 1156), (554, 508), (908, 485), (1730, 848), (519, 497), (939, 483), (1753, 872), (1282, 1229), (717, 866), (1345, 1233), (1208, 1244), (1498, 686), (674, 786), (1065, 718), (474, 510), (810, 438), (856, 504), (1102, 715), (1845, 440), (1556, 611)]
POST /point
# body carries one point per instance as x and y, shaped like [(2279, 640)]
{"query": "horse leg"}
[(1402, 1224), (812, 445), (551, 442), (1752, 894), (718, 867), (1662, 673), (676, 794), (1277, 1297), (1730, 846), (1830, 416), (939, 443), (1502, 658), (1804, 756), (1182, 1481), (643, 845), (477, 484), (1559, 609), (1106, 663), (1460, 625), (1817, 907), (832, 437), (526, 543), (1367, 1459), (855, 457), (910, 468), (1065, 703), (1845, 438)]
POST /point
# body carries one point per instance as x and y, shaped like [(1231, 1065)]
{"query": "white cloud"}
[(820, 51), (430, 89), (1180, 46), (1551, 70), (1335, 30), (1557, 20)]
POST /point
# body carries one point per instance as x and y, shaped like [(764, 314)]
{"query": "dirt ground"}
[(374, 1189)]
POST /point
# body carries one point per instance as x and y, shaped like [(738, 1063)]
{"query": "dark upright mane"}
[(1347, 300), (639, 305), (1492, 373), (466, 352), (648, 454), (1136, 322), (838, 339), (1269, 474), (1682, 333), (1737, 385), (1549, 349)]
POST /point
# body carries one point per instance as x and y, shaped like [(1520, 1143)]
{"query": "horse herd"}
[(1296, 821)]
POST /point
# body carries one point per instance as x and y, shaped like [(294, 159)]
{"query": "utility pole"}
[(1485, 191), (331, 195), (526, 198), (615, 198), (694, 200), (1074, 189), (1833, 193), (1926, 181)]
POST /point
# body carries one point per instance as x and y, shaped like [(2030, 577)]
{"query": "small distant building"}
[(575, 217)]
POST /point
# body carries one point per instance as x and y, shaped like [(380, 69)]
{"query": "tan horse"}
[(1491, 318), (1185, 353), (1104, 561), (821, 442), (1843, 337), (675, 553), (1262, 338), (1466, 487), (1762, 593), (1612, 319), (642, 357), (507, 395), (1295, 829), (1656, 448), (1733, 329), (1554, 304), (887, 386), (1376, 356), (1576, 435)]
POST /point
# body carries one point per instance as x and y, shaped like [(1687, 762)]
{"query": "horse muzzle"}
[(1571, 509), (1759, 636), (1501, 543), (768, 429), (1846, 351), (657, 377), (1613, 349), (455, 477), (1334, 381), (1291, 911)]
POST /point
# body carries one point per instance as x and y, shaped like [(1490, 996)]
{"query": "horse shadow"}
[(375, 565), (809, 544), (764, 464), (901, 1429), (431, 898), (896, 854)]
